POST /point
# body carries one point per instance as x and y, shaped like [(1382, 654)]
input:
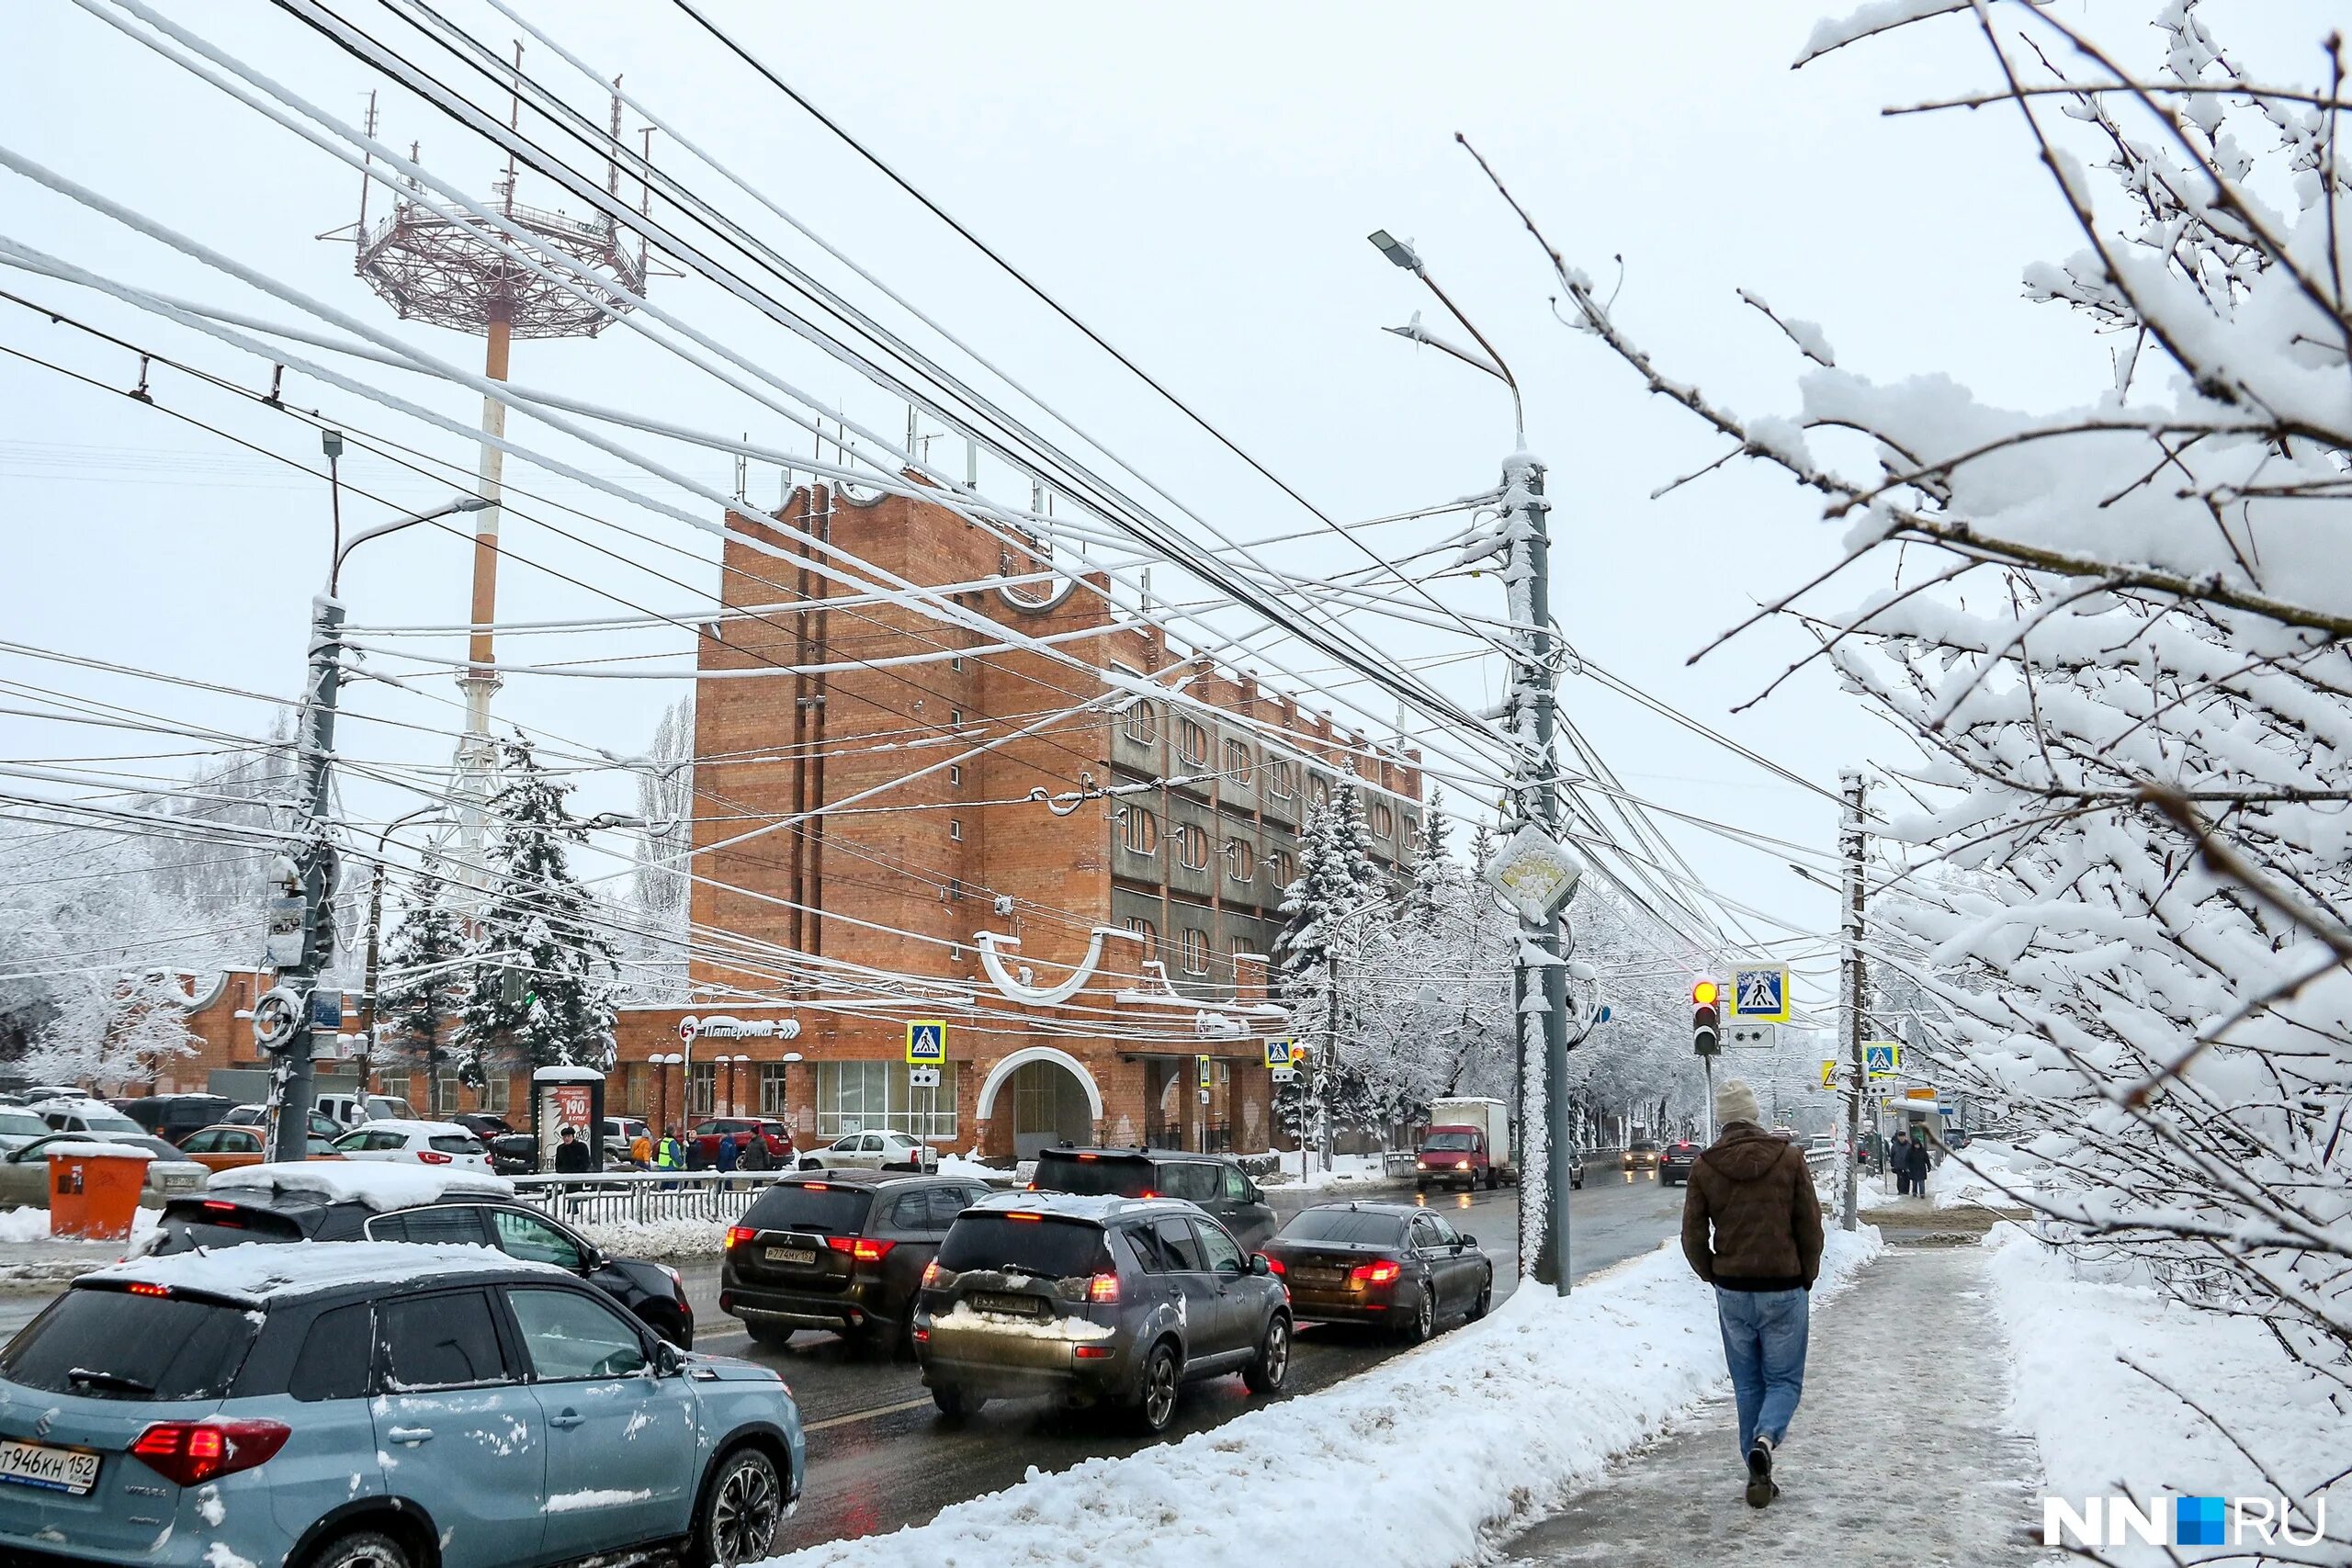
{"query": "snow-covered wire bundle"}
[(2129, 869)]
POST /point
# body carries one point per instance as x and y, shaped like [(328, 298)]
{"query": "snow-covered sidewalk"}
[(1902, 1451), (30, 1257), (1412, 1464)]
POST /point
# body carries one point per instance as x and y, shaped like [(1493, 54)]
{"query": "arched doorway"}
[(1047, 1095)]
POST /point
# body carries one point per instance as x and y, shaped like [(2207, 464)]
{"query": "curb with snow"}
[(1529, 1403)]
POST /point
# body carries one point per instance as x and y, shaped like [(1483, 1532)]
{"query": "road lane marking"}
[(899, 1409)]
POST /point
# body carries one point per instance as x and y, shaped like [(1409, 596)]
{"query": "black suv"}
[(1095, 1301), (839, 1250), (1675, 1161), (1217, 1185), (172, 1117), (229, 1216)]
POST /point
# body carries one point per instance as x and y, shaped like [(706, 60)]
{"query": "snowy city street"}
[(915, 786)]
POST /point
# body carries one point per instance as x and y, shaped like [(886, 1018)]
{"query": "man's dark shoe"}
[(1761, 1487)]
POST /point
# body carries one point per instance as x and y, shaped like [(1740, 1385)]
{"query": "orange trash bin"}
[(94, 1191)]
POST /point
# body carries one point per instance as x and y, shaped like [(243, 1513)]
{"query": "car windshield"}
[(1059, 1170), (820, 1206), (113, 1345), (97, 1119), (1452, 1141), (156, 1146), (1346, 1226), (1024, 1244), (1641, 1145), (22, 1124)]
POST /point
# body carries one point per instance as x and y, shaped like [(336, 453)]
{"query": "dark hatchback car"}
[(839, 1250), (230, 1216), (1218, 1186), (172, 1117), (1674, 1161), (1390, 1264), (1095, 1301)]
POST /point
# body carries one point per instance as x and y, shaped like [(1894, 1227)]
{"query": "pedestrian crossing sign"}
[(1278, 1053), (926, 1042), (1759, 996), (1881, 1057), (1828, 1074)]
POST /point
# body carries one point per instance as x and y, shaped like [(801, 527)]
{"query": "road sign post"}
[(926, 1056)]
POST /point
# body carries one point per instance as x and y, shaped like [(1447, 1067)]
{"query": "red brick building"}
[(836, 898)]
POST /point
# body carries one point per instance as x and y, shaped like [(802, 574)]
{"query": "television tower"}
[(429, 267)]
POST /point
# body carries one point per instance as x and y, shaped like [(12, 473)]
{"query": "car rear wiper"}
[(83, 1377)]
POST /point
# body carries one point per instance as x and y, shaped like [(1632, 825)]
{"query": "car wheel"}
[(954, 1404), (809, 1162), (742, 1508), (360, 1548), (1485, 1301), (1265, 1375), (774, 1336), (1161, 1378), (1424, 1321), (1493, 1181)]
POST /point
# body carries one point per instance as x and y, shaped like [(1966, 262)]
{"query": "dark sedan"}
[(1392, 1264), (1674, 1162)]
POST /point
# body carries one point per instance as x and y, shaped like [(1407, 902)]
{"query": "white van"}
[(356, 1109)]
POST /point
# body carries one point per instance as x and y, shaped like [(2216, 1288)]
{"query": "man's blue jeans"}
[(1764, 1338)]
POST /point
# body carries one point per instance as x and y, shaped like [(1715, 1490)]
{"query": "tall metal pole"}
[(1849, 989), (476, 756), (290, 1083)]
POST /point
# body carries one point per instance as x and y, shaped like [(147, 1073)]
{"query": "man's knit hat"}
[(1735, 1102)]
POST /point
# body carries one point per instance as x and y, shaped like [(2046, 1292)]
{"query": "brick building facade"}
[(1054, 811)]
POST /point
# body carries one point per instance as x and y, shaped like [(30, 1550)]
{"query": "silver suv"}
[(1090, 1300)]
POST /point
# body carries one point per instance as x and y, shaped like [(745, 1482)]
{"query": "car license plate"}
[(50, 1467), (1023, 1306), (791, 1255), (1321, 1276)]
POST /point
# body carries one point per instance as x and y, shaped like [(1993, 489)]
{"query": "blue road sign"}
[(1760, 996), (1278, 1053), (1882, 1058), (926, 1042)]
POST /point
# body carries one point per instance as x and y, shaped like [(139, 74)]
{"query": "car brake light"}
[(860, 1251), (1380, 1273), (1149, 1193), (1089, 1157), (220, 1208), (922, 1335), (932, 1273), (817, 1186), (433, 1156), (141, 1288), (1095, 1352), (1102, 1288), (738, 1234), (193, 1452), (1024, 1214)]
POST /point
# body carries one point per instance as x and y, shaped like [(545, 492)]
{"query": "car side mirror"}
[(1468, 1240), (667, 1360), (1260, 1266)]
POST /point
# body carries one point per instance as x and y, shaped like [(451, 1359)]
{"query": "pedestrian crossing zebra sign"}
[(926, 1042), (1760, 996)]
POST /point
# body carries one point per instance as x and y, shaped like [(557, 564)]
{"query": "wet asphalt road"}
[(880, 1457)]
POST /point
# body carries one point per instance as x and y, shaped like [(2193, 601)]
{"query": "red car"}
[(702, 1144)]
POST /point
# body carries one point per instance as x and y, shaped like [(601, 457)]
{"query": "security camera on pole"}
[(1534, 871), (301, 940)]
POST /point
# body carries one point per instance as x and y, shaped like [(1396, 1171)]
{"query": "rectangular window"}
[(954, 718), (439, 1341), (1196, 952), (955, 661), (702, 1092), (1240, 860), (1192, 847), (1282, 782), (1139, 830), (1142, 723), (493, 1092), (854, 1096), (1149, 932), (955, 829), (954, 773), (775, 1079)]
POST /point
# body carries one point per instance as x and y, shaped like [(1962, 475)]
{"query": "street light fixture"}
[(1404, 255)]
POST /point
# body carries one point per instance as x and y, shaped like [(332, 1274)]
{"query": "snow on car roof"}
[(256, 1275), (1097, 1207), (403, 1124), (94, 1148), (380, 1185)]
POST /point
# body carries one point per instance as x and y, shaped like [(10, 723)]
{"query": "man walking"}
[(1753, 1190)]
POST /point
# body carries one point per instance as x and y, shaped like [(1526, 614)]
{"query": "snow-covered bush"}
[(2115, 626)]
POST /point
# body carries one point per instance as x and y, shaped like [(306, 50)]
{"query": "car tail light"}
[(922, 1335), (1149, 1193), (1102, 1288), (433, 1156), (931, 1274), (860, 1249), (1274, 1263), (193, 1452), (1380, 1273), (218, 1207), (1095, 1352), (738, 1236), (141, 1288)]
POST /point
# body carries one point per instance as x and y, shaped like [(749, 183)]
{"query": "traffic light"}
[(1704, 1041)]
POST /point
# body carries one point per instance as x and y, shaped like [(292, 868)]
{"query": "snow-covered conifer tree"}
[(423, 982)]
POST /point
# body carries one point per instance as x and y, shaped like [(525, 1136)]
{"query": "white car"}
[(871, 1151), (79, 1115), (441, 1143), (358, 1110)]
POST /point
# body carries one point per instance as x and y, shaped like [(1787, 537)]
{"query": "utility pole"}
[(1541, 975), (1849, 988)]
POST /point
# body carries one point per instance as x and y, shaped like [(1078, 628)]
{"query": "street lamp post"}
[(309, 874), (1540, 984), (372, 998)]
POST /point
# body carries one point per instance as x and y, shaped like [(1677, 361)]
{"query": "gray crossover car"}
[(1095, 1301), (376, 1405)]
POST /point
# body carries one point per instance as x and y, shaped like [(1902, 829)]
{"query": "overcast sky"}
[(1197, 183)]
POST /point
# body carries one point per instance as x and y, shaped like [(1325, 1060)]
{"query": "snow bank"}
[(19, 1227), (972, 1170), (93, 1149), (380, 1184), (1530, 1403), (1346, 1170), (655, 1238), (2105, 1429)]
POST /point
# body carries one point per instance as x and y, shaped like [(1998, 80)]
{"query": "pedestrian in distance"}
[(570, 1153), (725, 1158), (1751, 1228), (755, 1155), (669, 1156), (640, 1151), (1914, 1162)]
